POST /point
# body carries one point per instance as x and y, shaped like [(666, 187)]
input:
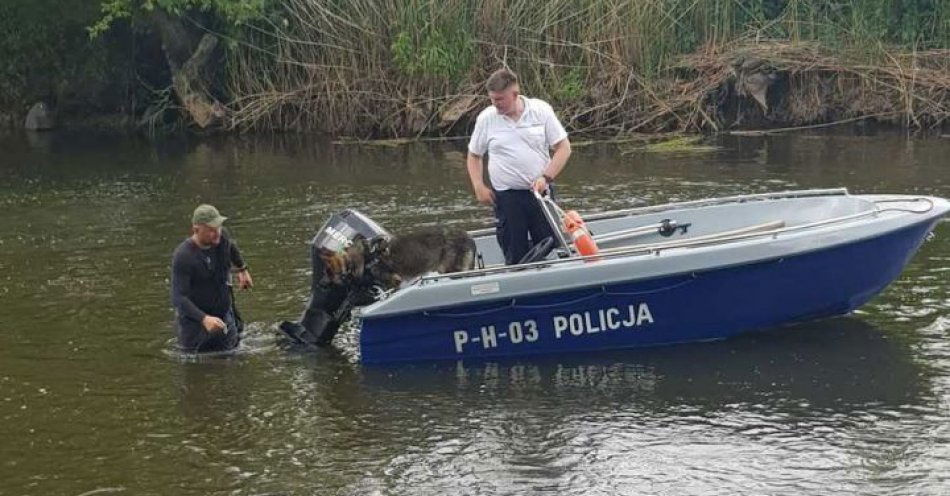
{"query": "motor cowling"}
[(342, 229)]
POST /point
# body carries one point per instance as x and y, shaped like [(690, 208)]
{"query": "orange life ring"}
[(583, 241)]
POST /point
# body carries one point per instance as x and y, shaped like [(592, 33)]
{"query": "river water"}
[(94, 400)]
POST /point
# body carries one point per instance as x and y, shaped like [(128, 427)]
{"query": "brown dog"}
[(389, 262), (342, 267)]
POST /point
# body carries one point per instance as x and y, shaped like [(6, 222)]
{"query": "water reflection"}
[(837, 364), (601, 423)]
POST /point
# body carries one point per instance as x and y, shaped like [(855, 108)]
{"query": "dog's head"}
[(334, 266), (345, 267), (381, 268), (362, 264)]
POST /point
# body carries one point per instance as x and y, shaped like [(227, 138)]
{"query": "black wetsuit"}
[(200, 287)]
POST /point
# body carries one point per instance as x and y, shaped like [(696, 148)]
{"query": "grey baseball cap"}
[(207, 214)]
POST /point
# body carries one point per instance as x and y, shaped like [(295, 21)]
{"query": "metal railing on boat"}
[(651, 209)]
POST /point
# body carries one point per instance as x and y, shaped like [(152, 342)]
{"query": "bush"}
[(46, 54)]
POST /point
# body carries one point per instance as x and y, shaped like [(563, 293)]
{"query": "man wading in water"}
[(206, 317)]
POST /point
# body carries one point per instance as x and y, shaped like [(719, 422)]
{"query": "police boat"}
[(657, 275)]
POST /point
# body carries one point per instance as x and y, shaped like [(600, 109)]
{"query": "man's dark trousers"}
[(519, 215)]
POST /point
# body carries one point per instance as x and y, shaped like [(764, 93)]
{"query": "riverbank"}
[(754, 86), (369, 69)]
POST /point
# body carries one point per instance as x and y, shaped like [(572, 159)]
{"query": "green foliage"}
[(444, 53), (909, 23), (231, 12), (432, 40), (45, 54), (571, 86)]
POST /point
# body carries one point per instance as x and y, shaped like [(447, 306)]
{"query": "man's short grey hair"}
[(501, 80)]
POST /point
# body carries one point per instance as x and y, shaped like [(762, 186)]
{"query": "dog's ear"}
[(357, 255)]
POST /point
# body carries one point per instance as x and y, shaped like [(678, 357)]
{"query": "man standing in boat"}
[(201, 294), (518, 134)]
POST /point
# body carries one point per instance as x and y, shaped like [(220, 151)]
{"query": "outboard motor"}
[(331, 302)]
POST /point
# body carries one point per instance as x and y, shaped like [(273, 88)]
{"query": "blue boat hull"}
[(679, 308)]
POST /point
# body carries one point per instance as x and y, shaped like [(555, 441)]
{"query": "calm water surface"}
[(93, 400)]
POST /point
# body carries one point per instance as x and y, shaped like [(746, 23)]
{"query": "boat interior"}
[(689, 223)]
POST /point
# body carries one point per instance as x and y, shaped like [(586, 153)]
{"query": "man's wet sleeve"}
[(181, 283), (234, 253)]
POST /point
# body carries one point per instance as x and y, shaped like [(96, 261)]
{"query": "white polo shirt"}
[(518, 151)]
